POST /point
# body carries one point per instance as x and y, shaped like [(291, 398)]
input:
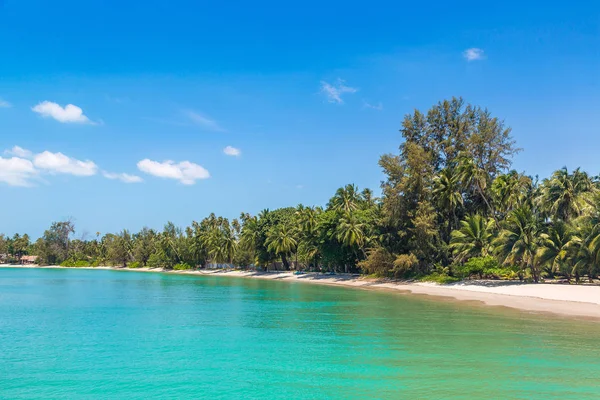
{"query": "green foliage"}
[(181, 267), (158, 260), (379, 262), (439, 278), (479, 266), (405, 265), (75, 263), (449, 205)]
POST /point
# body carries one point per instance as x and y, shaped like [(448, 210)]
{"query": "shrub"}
[(182, 266), (379, 262), (439, 278), (479, 266), (404, 264), (75, 263), (135, 264), (157, 261)]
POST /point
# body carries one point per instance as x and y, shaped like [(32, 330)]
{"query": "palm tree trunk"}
[(480, 190), (284, 260)]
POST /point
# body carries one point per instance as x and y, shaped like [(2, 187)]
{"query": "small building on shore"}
[(28, 259)]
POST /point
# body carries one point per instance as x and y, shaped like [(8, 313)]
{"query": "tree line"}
[(450, 208)]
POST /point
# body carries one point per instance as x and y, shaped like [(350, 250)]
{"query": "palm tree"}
[(585, 248), (446, 191), (474, 177), (351, 233), (510, 190), (517, 242), (367, 197), (281, 241), (556, 248), (473, 239), (250, 234), (307, 218), (345, 199), (565, 196)]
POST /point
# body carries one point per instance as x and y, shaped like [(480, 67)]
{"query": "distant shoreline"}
[(581, 301)]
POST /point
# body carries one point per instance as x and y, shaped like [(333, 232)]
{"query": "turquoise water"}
[(130, 335)]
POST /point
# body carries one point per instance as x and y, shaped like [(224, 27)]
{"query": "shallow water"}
[(67, 333)]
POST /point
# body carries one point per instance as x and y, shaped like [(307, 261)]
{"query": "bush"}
[(479, 266), (182, 266), (75, 264), (157, 261), (487, 267), (404, 264), (135, 264), (439, 278), (379, 262)]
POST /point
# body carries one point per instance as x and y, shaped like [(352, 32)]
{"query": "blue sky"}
[(310, 94)]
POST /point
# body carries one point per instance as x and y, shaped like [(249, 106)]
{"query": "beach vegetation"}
[(450, 207)]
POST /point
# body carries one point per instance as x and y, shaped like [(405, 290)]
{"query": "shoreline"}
[(580, 301)]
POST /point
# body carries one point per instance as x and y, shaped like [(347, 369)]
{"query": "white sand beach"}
[(582, 301)]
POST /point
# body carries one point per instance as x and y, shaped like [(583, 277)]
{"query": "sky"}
[(130, 114)]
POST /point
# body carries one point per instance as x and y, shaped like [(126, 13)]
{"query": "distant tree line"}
[(451, 208)]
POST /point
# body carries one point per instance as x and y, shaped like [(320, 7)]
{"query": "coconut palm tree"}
[(565, 196), (556, 248), (345, 199), (446, 192), (475, 178), (510, 191), (350, 233), (307, 218), (517, 242), (281, 241), (473, 239)]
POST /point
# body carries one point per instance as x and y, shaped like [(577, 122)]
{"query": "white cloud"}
[(5, 104), (333, 93), (474, 54), (185, 172), (203, 121), (69, 114), (25, 167), (58, 163), (123, 177), (377, 106), (16, 171), (232, 151), (19, 152)]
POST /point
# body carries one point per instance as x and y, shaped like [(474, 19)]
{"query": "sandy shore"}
[(581, 301)]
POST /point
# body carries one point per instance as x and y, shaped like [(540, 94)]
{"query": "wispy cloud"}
[(473, 54), (191, 118), (19, 152), (4, 104), (377, 106), (68, 114), (185, 172), (232, 151), (123, 177), (203, 121), (333, 92)]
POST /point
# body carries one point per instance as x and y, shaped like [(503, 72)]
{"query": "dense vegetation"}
[(450, 207)]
